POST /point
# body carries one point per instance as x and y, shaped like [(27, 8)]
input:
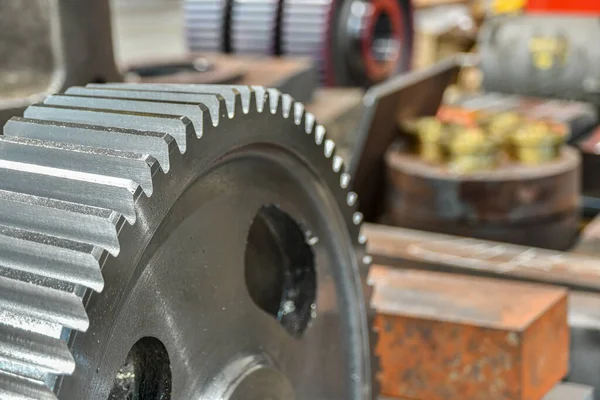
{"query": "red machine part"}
[(587, 7), (377, 71)]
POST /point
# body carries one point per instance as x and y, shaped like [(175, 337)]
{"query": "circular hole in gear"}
[(280, 269), (384, 46), (146, 373)]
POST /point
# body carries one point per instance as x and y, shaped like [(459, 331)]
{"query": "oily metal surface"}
[(126, 215)]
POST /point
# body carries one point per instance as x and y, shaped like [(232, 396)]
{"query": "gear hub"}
[(178, 242)]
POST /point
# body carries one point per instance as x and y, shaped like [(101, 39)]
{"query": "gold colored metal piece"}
[(472, 150), (501, 126), (536, 143), (430, 132)]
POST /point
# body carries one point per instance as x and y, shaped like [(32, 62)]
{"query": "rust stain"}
[(434, 351)]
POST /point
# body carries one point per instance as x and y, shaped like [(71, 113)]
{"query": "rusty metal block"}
[(445, 337)]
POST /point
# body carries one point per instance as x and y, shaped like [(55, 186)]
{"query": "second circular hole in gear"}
[(280, 269), (384, 47), (146, 373)]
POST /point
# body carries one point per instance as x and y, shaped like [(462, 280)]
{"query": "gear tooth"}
[(110, 163), (319, 134), (21, 302), (158, 145), (357, 218), (40, 352), (345, 179), (362, 239), (95, 226), (329, 148), (338, 165), (59, 184), (351, 199), (309, 120), (275, 101), (17, 388), (287, 103), (237, 98), (214, 102), (180, 128), (261, 96), (196, 113), (299, 114), (50, 257)]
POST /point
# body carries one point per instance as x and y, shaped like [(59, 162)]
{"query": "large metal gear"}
[(178, 242)]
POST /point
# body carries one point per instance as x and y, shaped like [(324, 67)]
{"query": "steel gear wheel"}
[(207, 25), (193, 241)]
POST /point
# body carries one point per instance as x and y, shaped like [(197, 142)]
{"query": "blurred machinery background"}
[(471, 134)]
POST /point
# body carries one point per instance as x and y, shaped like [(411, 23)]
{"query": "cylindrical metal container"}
[(532, 205), (542, 55)]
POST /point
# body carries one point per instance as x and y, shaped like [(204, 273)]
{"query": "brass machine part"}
[(471, 150), (430, 134), (535, 143), (501, 126)]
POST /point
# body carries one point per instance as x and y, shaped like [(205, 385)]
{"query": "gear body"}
[(142, 220)]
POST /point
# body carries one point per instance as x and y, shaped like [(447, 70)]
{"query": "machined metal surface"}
[(179, 241), (48, 45), (542, 55), (521, 204)]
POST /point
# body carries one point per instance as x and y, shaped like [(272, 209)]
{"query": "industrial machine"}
[(176, 242), (353, 42)]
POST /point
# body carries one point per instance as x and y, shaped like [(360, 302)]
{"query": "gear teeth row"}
[(53, 162), (50, 257), (156, 144), (84, 159), (206, 24), (178, 128), (61, 219), (253, 26), (19, 348), (304, 29)]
